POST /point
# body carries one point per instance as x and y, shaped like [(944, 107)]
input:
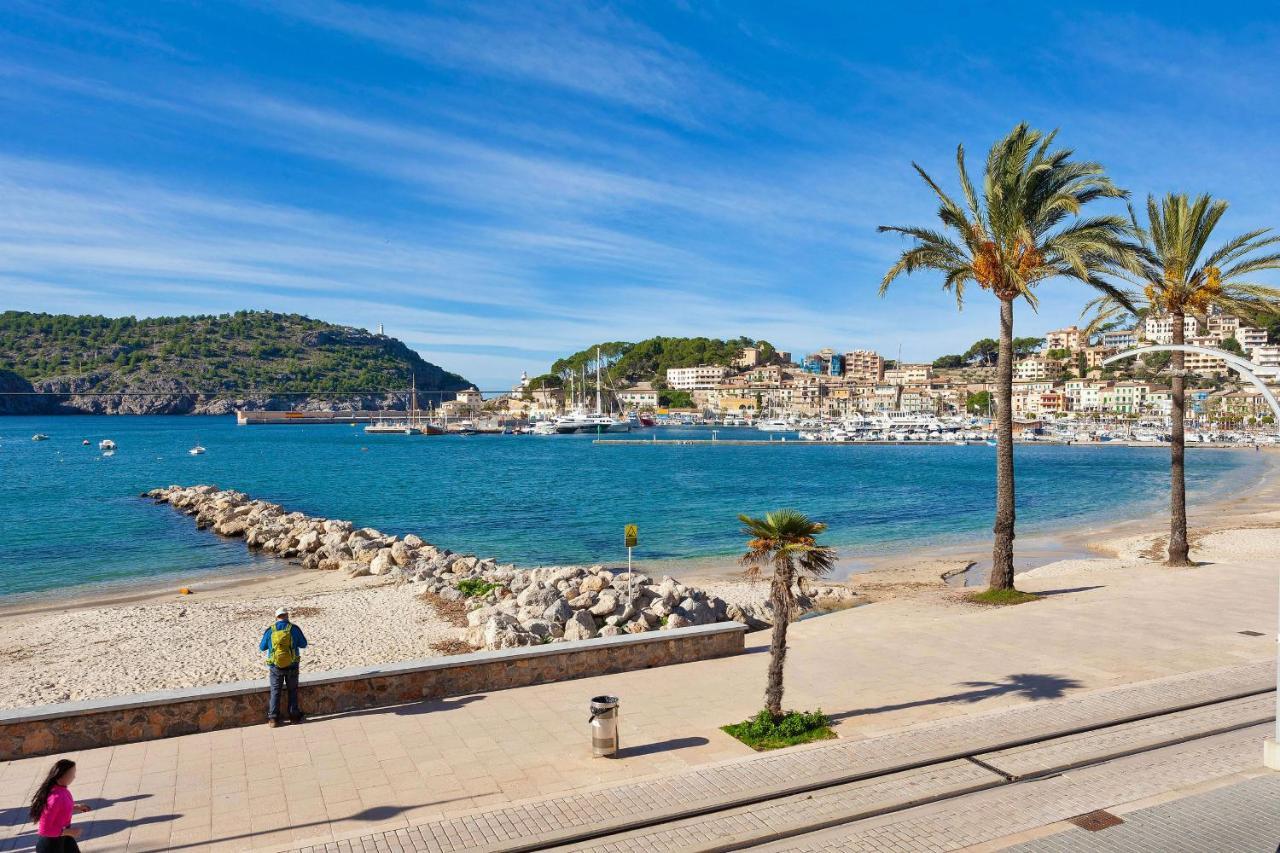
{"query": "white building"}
[(1032, 369), (1159, 329), (704, 377), (909, 374), (642, 395)]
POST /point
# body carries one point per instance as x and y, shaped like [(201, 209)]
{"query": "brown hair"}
[(41, 799)]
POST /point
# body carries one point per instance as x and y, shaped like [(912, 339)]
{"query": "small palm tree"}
[(1022, 231), (1176, 282), (784, 541)]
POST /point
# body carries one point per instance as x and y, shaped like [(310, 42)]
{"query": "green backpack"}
[(282, 654)]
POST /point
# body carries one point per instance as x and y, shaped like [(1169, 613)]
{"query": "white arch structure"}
[(1250, 371), (1243, 366)]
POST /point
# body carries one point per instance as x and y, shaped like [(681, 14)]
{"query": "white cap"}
[(282, 611)]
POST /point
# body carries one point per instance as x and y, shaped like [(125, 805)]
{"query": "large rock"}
[(401, 553), (605, 605), (558, 611), (382, 563), (538, 596), (580, 626)]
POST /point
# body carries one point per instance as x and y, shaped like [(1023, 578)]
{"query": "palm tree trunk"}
[(1002, 550), (1178, 546), (780, 598)]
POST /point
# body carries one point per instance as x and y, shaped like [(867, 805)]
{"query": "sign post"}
[(631, 535)]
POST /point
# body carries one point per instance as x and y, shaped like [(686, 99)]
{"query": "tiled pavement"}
[(984, 818), (668, 798), (1240, 817), (878, 669)]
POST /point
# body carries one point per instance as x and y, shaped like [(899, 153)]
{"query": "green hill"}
[(649, 359), (210, 363)]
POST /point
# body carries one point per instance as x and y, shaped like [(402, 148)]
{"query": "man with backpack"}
[(282, 643)]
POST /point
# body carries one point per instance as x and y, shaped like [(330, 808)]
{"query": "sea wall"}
[(73, 726)]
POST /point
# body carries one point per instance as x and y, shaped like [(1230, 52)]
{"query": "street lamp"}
[(1250, 371)]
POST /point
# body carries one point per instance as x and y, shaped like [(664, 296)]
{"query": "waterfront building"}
[(642, 395), (1159, 328), (1118, 339), (743, 407), (1125, 397), (1084, 395), (701, 377), (864, 365), (1070, 339)]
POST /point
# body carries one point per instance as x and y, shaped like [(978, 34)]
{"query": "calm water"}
[(70, 516)]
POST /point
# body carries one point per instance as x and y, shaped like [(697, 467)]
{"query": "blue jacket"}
[(299, 641)]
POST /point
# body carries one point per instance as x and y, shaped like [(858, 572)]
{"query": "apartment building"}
[(1031, 369), (700, 378), (1120, 339), (864, 364), (1071, 339), (909, 374), (1159, 329), (1266, 356)]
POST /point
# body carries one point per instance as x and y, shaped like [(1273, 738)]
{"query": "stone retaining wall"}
[(51, 729)]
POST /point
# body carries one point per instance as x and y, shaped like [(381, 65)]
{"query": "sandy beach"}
[(59, 651)]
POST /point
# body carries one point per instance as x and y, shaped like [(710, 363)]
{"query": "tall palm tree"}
[(784, 541), (1024, 229), (1177, 282)]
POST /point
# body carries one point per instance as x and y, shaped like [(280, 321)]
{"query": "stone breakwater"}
[(506, 606)]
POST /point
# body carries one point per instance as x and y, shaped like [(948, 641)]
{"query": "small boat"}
[(196, 451), (84, 443), (39, 437), (106, 444), (990, 442), (544, 428)]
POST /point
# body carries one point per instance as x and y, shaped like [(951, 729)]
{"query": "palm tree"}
[(1023, 230), (1177, 283), (784, 540)]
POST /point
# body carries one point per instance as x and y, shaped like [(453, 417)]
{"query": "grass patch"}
[(475, 587), (763, 732), (1002, 597)]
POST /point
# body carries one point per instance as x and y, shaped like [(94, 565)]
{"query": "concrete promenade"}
[(878, 670)]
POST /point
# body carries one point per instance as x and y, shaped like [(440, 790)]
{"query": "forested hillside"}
[(209, 363)]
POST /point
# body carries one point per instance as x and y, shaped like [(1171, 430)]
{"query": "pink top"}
[(57, 813)]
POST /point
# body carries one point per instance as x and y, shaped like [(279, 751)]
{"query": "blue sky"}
[(499, 184)]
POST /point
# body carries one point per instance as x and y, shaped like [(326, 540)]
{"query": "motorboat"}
[(544, 428), (196, 451), (39, 437), (106, 444), (84, 443), (774, 425)]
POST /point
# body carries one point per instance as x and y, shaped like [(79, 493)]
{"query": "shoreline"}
[(211, 636), (971, 555)]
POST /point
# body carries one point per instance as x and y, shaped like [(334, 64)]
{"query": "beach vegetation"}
[(765, 731), (1179, 276), (783, 544), (1026, 227), (476, 587)]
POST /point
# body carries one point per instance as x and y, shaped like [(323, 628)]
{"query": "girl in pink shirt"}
[(52, 807)]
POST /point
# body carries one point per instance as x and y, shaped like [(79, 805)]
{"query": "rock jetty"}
[(507, 606)]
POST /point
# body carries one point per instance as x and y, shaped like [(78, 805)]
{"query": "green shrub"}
[(763, 732), (475, 587)]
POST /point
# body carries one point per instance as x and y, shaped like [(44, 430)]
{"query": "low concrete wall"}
[(50, 729)]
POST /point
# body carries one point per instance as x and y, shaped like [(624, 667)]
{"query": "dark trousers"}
[(62, 844), (286, 677)]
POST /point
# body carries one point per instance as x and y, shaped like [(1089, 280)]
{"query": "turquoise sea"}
[(70, 516)]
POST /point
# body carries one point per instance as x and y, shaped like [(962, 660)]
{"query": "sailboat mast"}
[(598, 410)]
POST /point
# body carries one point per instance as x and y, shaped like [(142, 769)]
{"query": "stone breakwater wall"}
[(507, 607), (57, 729)]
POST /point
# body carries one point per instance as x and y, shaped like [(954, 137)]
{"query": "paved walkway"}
[(877, 669), (1240, 817)]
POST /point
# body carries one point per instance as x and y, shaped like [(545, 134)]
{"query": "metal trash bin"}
[(604, 726)]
